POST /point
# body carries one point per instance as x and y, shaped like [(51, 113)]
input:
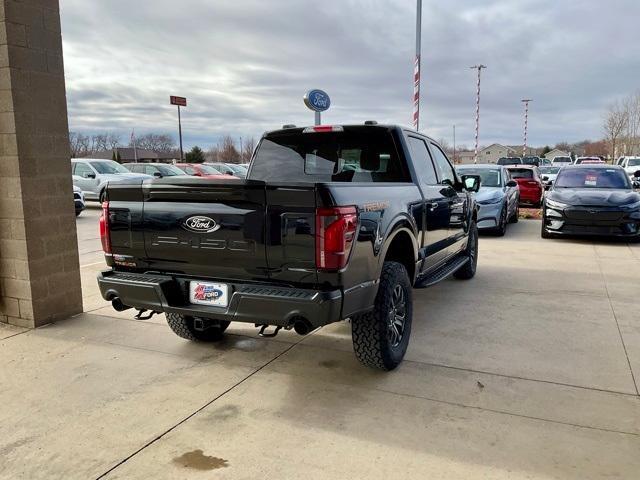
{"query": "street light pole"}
[(526, 122), (479, 68), (416, 68)]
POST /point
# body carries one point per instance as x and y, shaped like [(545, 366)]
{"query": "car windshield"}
[(521, 172), (237, 169), (169, 170), (592, 178), (530, 160), (106, 167), (634, 162), (489, 177), (549, 170), (209, 170), (562, 160)]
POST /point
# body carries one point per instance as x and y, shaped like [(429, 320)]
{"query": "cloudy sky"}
[(245, 64)]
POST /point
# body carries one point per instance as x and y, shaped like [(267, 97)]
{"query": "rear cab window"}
[(349, 154)]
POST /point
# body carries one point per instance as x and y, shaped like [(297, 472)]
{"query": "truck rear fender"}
[(401, 246)]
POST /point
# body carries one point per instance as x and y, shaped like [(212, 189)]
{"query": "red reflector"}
[(105, 228), (335, 233)]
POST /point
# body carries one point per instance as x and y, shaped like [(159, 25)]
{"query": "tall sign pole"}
[(180, 102), (416, 68), (526, 123), (479, 68)]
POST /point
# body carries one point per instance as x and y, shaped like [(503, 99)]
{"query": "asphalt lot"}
[(530, 370)]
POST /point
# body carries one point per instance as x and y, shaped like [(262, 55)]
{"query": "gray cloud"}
[(245, 65)]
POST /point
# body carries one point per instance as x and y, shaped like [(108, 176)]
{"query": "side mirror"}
[(545, 178), (90, 175), (512, 184), (471, 182), (157, 174), (637, 174)]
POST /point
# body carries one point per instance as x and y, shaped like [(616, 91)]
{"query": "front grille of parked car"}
[(593, 215)]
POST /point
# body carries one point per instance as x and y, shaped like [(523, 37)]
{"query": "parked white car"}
[(78, 200), (92, 175), (549, 174), (559, 161), (631, 165)]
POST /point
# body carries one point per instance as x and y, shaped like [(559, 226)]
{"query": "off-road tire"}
[(370, 331), (469, 270), (182, 326)]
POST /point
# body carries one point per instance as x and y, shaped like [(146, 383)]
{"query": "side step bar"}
[(442, 272)]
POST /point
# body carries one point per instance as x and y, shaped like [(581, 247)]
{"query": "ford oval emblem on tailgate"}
[(200, 224)]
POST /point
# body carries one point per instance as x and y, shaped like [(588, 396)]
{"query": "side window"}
[(444, 167), (190, 170), (149, 170), (421, 157), (82, 170)]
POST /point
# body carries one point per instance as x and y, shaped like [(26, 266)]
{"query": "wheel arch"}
[(401, 246)]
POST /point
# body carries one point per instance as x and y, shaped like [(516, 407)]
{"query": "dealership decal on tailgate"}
[(202, 293)]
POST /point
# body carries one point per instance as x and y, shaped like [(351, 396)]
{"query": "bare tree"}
[(212, 155), (615, 123), (99, 142), (631, 136), (79, 144), (248, 147), (113, 140), (161, 143), (227, 151)]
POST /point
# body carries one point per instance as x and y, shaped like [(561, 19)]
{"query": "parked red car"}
[(204, 171), (529, 183)]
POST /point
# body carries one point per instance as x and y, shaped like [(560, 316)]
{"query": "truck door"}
[(435, 205), (457, 200)]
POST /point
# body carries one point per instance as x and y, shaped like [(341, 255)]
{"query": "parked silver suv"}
[(92, 175)]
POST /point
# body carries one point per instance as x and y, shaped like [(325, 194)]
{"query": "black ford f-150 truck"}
[(332, 223)]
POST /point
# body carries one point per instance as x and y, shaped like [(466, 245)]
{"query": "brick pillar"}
[(39, 272)]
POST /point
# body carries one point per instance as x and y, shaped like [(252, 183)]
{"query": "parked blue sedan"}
[(497, 198)]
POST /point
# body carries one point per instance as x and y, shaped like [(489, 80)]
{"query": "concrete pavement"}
[(530, 370)]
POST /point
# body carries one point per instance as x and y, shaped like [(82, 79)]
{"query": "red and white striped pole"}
[(479, 68), (416, 69), (526, 123)]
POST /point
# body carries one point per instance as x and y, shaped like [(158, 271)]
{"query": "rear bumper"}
[(248, 303), (530, 195)]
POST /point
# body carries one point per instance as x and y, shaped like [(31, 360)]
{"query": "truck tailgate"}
[(230, 229)]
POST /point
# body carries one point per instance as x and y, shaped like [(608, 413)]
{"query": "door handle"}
[(433, 206)]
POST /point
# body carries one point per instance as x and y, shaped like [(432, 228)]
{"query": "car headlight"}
[(490, 201), (553, 204)]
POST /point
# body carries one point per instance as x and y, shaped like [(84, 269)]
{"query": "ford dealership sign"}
[(317, 100)]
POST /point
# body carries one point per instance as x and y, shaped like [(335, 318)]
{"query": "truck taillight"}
[(105, 230), (335, 232)]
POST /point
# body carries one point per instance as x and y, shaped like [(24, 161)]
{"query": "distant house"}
[(493, 152), (464, 157), (129, 155), (556, 152)]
